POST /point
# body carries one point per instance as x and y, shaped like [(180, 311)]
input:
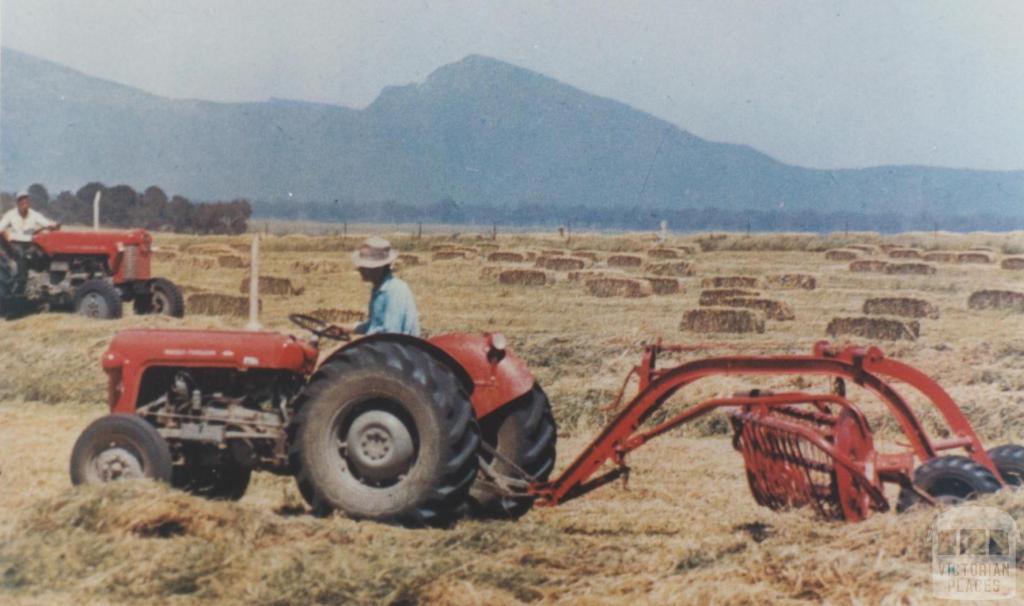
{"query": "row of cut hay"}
[(589, 255), (272, 285), (319, 266), (975, 257), (506, 256), (487, 248), (867, 249), (678, 269), (996, 299), (664, 286), (718, 320), (525, 277), (618, 287), (841, 254), (218, 304), (232, 262), (338, 316), (663, 253), (632, 261), (869, 265), (709, 298), (729, 282), (791, 282), (210, 249), (901, 306), (904, 253), (197, 262), (921, 269), (560, 263), (772, 309), (1014, 263), (874, 328)]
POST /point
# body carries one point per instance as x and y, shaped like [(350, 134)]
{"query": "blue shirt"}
[(392, 309)]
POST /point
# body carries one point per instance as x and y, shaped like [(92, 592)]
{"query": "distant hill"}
[(480, 131)]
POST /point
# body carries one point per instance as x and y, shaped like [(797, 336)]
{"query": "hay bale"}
[(164, 255), (408, 260), (561, 263), (841, 254), (217, 304), (996, 299), (525, 277), (580, 276), (505, 256), (729, 282), (869, 265), (589, 255), (618, 287), (319, 266), (490, 272), (922, 269), (686, 250), (940, 256), (773, 310), (714, 320), (210, 249), (904, 253), (1013, 263), (448, 255), (664, 286), (198, 262), (874, 328), (716, 296), (338, 316), (232, 262), (900, 306), (625, 261), (679, 269), (974, 257), (791, 281), (663, 253), (272, 285), (888, 246)]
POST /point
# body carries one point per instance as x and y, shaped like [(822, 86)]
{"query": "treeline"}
[(630, 217), (152, 209)]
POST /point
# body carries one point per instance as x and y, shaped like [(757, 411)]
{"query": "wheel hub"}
[(118, 464), (380, 446), (94, 306)]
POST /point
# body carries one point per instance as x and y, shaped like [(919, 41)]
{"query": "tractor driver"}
[(392, 306), (18, 225)]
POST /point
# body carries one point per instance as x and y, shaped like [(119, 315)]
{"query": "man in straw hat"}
[(392, 306)]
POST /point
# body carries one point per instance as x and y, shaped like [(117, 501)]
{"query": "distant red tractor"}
[(90, 272), (388, 427)]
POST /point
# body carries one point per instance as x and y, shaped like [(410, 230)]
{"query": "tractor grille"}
[(131, 262)]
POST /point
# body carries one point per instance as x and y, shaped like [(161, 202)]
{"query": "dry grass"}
[(773, 310), (940, 256), (561, 263), (997, 299), (663, 253), (904, 253), (842, 255), (679, 269), (975, 257), (449, 255), (791, 281), (338, 316), (272, 285), (198, 262), (164, 256), (713, 320), (232, 261), (506, 256), (905, 307), (217, 304), (686, 531), (589, 255), (869, 266), (319, 266), (885, 329)]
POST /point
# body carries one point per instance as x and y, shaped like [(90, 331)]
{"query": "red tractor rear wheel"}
[(385, 431), (522, 432)]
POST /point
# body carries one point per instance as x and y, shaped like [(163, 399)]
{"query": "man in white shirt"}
[(21, 223), (18, 225)]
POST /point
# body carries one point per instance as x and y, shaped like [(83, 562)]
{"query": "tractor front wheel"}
[(98, 299), (385, 431), (162, 297), (1009, 460), (120, 447), (950, 480), (523, 434)]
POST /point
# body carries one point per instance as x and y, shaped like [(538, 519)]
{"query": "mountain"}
[(479, 131)]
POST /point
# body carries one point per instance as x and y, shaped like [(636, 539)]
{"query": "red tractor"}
[(90, 272), (388, 427)]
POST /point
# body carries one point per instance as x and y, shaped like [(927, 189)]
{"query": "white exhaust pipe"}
[(254, 285), (96, 210)]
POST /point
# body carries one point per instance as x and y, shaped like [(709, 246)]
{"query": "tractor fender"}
[(491, 385)]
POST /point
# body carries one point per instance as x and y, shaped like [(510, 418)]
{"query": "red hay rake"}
[(799, 449)]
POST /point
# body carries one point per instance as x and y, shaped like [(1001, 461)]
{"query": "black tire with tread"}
[(143, 303), (126, 431), (435, 403), (1009, 460), (111, 297), (951, 476), (524, 432)]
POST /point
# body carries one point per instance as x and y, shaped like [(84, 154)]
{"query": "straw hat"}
[(374, 252)]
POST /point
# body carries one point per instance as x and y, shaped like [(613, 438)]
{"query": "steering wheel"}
[(320, 328)]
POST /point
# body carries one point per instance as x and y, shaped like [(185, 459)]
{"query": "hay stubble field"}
[(685, 530)]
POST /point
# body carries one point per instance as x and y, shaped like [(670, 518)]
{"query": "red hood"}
[(91, 242)]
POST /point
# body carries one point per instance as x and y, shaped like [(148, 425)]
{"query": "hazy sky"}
[(821, 84)]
